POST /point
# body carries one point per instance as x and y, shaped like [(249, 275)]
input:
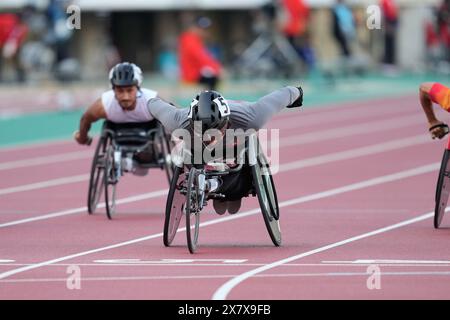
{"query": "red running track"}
[(356, 188)]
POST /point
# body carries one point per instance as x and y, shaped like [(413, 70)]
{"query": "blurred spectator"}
[(295, 28), (197, 65), (344, 29), (390, 14), (443, 24), (12, 35)]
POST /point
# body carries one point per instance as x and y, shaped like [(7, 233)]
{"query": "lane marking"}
[(44, 184), (139, 197), (6, 261), (304, 163), (224, 290), (170, 261), (229, 285), (393, 262), (56, 158), (340, 132), (227, 276)]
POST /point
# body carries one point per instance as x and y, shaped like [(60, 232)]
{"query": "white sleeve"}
[(107, 99)]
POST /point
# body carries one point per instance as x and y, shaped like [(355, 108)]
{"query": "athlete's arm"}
[(438, 131), (256, 115), (95, 112), (170, 116)]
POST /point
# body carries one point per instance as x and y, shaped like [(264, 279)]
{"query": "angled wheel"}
[(175, 205), (442, 189), (110, 182), (96, 179), (165, 146), (267, 198), (192, 210)]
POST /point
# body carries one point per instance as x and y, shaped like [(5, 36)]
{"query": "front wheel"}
[(192, 211), (96, 179), (267, 198), (110, 182), (174, 206), (442, 190)]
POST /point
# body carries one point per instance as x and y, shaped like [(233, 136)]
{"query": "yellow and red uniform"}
[(440, 94)]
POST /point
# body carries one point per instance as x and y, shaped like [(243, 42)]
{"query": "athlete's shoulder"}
[(148, 93)]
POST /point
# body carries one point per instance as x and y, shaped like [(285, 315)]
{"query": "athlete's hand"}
[(299, 102), (81, 140), (438, 129)]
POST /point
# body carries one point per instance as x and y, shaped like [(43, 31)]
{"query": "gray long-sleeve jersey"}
[(244, 115)]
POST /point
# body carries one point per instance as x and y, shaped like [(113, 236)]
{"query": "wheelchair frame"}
[(189, 193), (116, 141)]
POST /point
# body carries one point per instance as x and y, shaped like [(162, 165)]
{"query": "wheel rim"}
[(110, 182), (271, 219), (96, 178), (443, 191), (192, 211), (174, 207)]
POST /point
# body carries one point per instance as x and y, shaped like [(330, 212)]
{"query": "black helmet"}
[(211, 109), (125, 74)]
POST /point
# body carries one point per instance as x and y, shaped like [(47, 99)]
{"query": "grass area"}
[(49, 126)]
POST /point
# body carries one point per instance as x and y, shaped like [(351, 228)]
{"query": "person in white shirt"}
[(126, 102)]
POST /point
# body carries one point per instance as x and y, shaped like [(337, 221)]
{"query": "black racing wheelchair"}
[(126, 147), (193, 185)]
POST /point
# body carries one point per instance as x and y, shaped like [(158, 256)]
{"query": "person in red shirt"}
[(390, 13), (197, 65), (295, 29), (12, 35)]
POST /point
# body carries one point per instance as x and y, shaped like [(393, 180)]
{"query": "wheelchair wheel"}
[(442, 189), (96, 179), (267, 198), (174, 206), (168, 165), (110, 182), (192, 211)]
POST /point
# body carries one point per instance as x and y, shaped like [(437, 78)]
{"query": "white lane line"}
[(366, 127), (296, 265), (327, 158), (295, 165), (227, 276), (224, 290), (44, 184), (56, 158), (355, 153), (352, 130), (352, 187), (390, 262), (139, 197)]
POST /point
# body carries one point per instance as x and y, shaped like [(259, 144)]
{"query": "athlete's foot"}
[(220, 206), (233, 206)]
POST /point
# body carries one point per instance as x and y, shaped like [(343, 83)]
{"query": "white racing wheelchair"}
[(193, 186), (126, 147)]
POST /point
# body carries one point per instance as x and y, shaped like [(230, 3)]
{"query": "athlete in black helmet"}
[(209, 110), (126, 102)]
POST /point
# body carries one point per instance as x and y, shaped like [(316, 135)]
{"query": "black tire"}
[(166, 149), (267, 198), (192, 211), (96, 179), (110, 182), (174, 206), (442, 190)]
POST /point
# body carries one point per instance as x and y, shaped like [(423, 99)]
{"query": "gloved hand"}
[(438, 129), (299, 102)]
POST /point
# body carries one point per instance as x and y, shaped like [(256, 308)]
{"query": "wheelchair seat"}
[(133, 135)]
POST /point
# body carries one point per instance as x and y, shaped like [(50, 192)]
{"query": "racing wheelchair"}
[(126, 147), (193, 185)]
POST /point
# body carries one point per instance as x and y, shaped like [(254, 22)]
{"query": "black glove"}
[(299, 102)]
